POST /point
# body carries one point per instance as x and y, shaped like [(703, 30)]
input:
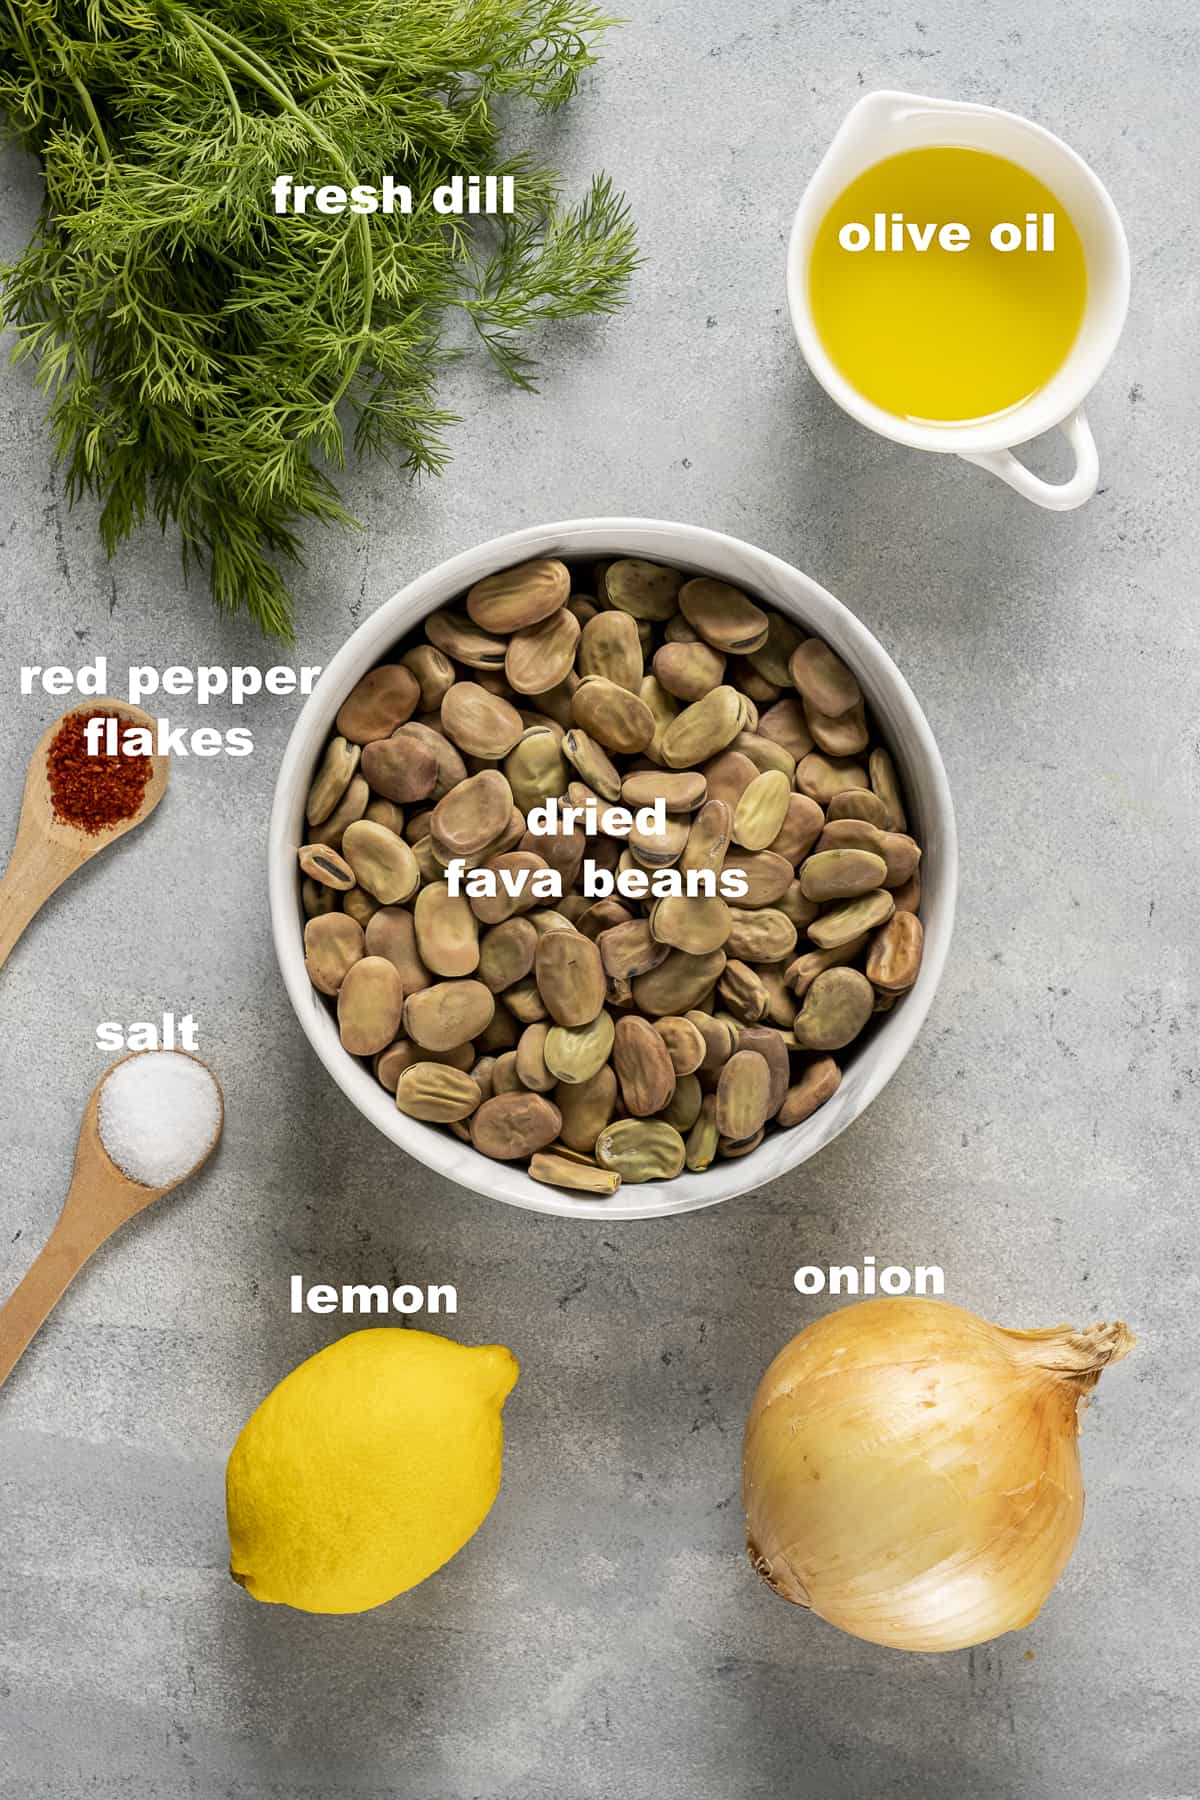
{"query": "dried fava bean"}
[(369, 1004), (746, 678), (437, 1093), (685, 1043), (900, 853), (630, 950), (391, 1063), (400, 768), (316, 899), (611, 646), (894, 959), (505, 1079), (908, 895), (447, 931), (338, 768), (688, 670), (384, 699), (821, 777), (603, 915), (386, 812), (847, 735), (322, 864), (612, 716), (708, 838), (574, 1053), (764, 935), (728, 1147), (768, 1042), (360, 905), (683, 1108), (823, 679), (799, 910), (570, 977), (643, 1066), (679, 983), (352, 805), (586, 1107), (519, 886), (511, 1127), (332, 945), (451, 769), (858, 803), (525, 1002), (448, 1014), (459, 638), (542, 655), (760, 812), (506, 953), (781, 1006), (665, 710), (724, 616), (765, 754), (818, 1083), (768, 875), (480, 723), (728, 776), (481, 1074), (742, 990), (680, 792), (720, 1042), (513, 599), (469, 818), (772, 660), (641, 1149), (784, 724), (594, 764), (801, 974), (696, 926), (563, 1171), (841, 874), (531, 1059), (383, 863), (836, 1007), (703, 1137), (851, 918), (702, 729), (743, 1096), (645, 589), (660, 849), (884, 783), (434, 673), (536, 768)]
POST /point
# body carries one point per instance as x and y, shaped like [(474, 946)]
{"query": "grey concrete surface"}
[(603, 1637)]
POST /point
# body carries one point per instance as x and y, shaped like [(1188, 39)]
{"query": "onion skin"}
[(911, 1471)]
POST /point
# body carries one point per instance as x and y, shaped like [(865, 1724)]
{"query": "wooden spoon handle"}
[(62, 1256), (36, 868)]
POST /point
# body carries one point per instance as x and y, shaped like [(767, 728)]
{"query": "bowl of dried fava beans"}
[(613, 868)]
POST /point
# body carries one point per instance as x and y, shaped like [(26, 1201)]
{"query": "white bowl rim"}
[(584, 538)]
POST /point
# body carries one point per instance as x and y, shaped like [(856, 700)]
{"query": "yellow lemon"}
[(366, 1469)]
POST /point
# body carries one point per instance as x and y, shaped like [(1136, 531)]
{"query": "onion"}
[(911, 1472)]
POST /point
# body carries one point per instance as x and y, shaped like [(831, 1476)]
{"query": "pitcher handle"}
[(1058, 496)]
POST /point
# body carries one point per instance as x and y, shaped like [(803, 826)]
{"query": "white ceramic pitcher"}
[(886, 123)]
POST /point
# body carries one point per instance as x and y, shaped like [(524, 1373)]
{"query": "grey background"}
[(603, 1635)]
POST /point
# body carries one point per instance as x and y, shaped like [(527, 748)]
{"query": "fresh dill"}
[(205, 360)]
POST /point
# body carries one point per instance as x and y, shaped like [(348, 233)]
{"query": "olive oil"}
[(939, 333)]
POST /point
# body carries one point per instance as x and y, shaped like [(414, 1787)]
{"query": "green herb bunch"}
[(205, 359)]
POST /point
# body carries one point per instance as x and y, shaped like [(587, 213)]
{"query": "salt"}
[(159, 1115)]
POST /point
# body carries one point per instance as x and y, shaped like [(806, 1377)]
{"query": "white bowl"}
[(903, 727)]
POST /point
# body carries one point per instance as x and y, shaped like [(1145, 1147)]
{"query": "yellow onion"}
[(911, 1472)]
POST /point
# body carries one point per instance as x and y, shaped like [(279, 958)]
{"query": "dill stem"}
[(244, 58)]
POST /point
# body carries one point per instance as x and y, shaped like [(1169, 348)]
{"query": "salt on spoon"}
[(152, 1120)]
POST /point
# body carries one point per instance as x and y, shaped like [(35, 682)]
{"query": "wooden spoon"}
[(47, 849), (100, 1199)]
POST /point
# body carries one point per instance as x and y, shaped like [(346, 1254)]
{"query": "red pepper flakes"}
[(93, 792)]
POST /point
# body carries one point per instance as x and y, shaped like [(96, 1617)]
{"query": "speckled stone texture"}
[(603, 1638)]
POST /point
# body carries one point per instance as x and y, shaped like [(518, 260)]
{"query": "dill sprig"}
[(205, 360)]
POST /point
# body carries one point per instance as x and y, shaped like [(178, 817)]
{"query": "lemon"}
[(366, 1469)]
